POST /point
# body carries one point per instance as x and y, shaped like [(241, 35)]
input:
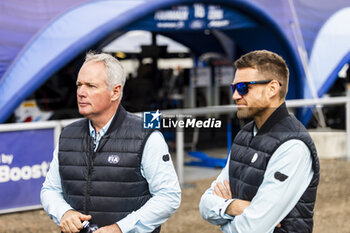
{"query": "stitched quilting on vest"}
[(107, 183)]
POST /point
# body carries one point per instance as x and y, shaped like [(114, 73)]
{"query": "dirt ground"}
[(331, 213)]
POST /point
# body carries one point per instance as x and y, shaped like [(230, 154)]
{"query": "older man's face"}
[(94, 98)]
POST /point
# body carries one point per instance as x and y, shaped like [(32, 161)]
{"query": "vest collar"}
[(118, 119), (280, 113)]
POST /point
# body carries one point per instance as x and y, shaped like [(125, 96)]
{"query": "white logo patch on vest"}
[(255, 157), (113, 159)]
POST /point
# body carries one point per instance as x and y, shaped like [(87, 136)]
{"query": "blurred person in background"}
[(107, 169), (270, 181)]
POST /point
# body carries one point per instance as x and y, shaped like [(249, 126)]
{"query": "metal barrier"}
[(226, 109), (232, 108)]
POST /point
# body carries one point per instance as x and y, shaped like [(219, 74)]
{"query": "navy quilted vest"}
[(246, 176), (108, 183)]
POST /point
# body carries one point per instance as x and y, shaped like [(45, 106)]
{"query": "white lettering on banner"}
[(171, 15), (4, 158), (171, 25), (199, 10), (215, 13), (218, 23), (25, 173)]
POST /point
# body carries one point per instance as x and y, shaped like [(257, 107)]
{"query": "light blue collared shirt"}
[(274, 199), (98, 135), (160, 175)]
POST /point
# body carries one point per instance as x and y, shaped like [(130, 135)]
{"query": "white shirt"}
[(274, 199)]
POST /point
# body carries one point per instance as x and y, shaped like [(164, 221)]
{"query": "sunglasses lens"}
[(242, 88), (233, 88)]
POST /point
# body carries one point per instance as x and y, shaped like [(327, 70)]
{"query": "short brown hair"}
[(269, 64)]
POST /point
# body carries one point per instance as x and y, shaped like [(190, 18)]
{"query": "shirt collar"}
[(255, 130), (280, 113), (102, 131)]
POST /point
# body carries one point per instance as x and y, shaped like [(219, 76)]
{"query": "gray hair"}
[(114, 69)]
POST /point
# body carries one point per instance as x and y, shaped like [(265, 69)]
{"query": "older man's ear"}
[(116, 93)]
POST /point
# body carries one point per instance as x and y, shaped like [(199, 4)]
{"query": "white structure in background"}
[(131, 42), (29, 111), (332, 42)]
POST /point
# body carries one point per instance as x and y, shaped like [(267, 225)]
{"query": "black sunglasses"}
[(242, 87)]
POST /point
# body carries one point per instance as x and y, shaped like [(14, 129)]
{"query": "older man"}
[(107, 168), (269, 183)]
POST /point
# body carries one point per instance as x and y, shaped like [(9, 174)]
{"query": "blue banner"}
[(24, 162)]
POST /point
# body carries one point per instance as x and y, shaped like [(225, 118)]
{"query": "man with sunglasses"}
[(270, 180)]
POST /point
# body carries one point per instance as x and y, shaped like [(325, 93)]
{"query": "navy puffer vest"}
[(246, 175), (108, 183)]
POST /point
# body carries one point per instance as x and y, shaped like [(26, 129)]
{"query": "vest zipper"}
[(252, 136), (250, 141), (90, 167), (91, 157)]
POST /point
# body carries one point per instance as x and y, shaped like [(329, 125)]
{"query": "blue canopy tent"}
[(331, 51), (35, 47)]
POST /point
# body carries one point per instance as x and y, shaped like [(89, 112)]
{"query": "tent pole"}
[(304, 60)]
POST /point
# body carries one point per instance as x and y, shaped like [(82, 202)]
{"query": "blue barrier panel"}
[(24, 162)]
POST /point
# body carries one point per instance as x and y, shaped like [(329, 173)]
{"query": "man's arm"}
[(54, 204), (237, 206), (276, 197), (158, 170), (212, 207), (51, 192)]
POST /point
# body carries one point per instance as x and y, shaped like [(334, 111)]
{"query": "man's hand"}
[(223, 190), (114, 228), (71, 221), (237, 206)]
